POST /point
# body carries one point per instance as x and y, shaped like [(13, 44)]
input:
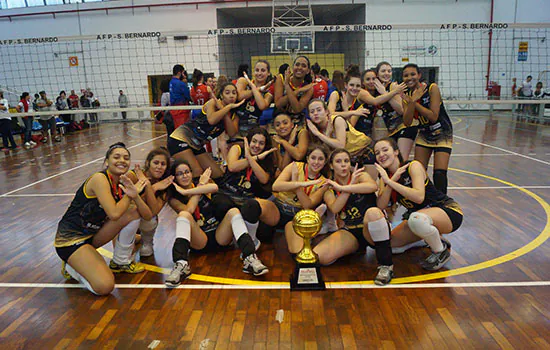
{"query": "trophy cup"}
[(307, 274)]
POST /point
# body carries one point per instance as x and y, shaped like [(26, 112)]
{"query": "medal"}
[(379, 113), (247, 185), (343, 215), (200, 222)]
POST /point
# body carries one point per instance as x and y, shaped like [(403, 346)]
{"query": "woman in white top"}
[(5, 124), (25, 106)]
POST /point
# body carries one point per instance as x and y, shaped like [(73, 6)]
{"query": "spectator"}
[(179, 94), (122, 102), (166, 116), (47, 120), (211, 81), (526, 92), (34, 106), (61, 105), (94, 101), (539, 93), (72, 101), (24, 106), (222, 79), (85, 103), (5, 124), (514, 88)]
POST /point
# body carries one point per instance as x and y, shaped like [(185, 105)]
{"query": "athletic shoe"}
[(179, 273), (403, 249), (257, 245), (146, 249), (254, 266), (44, 140), (132, 267), (27, 145), (436, 260), (5, 149), (58, 139), (384, 276), (32, 143), (64, 272)]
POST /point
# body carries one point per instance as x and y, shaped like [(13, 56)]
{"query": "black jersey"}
[(249, 115), (298, 117), (433, 131), (391, 118), (432, 197), (243, 184), (85, 216), (204, 214), (354, 211), (364, 124)]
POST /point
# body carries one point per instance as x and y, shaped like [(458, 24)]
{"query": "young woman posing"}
[(291, 141), (301, 186), (201, 228), (352, 199), (429, 211), (258, 94), (217, 115), (200, 92), (293, 93), (392, 111), (91, 221), (435, 133)]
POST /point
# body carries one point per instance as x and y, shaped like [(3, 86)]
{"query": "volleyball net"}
[(473, 63)]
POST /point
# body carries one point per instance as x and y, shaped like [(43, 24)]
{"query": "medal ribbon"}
[(308, 189), (115, 189)]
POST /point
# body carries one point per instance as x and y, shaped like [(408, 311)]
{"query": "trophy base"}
[(307, 277)]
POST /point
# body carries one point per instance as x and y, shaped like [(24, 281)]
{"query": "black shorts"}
[(286, 211), (437, 149), (47, 124), (176, 146), (407, 133), (455, 216), (211, 244), (65, 252), (357, 232)]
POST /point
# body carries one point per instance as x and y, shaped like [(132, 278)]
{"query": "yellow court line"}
[(539, 240)]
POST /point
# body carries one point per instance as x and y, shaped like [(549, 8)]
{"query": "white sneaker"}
[(146, 249), (32, 143), (403, 249), (27, 145), (179, 273), (254, 266)]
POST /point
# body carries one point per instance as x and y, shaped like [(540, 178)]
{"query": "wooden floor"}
[(493, 294)]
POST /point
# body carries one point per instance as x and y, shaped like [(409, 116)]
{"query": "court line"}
[(285, 285), (456, 188), (76, 167), (502, 149)]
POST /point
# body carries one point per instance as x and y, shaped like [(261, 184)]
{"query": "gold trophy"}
[(307, 274)]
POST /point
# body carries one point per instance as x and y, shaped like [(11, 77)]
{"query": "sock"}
[(380, 232), (125, 243), (180, 250), (422, 226), (71, 271), (251, 228), (246, 245), (148, 229), (265, 233), (440, 180)]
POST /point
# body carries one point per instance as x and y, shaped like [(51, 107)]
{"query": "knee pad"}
[(251, 210), (420, 224), (222, 204), (440, 180), (149, 226)]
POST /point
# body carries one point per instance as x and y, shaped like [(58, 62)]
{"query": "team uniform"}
[(432, 198), (394, 121), (243, 185), (437, 136), (358, 144), (298, 117), (288, 202), (320, 89), (249, 115), (195, 133), (82, 220), (282, 150), (353, 213), (200, 95), (364, 124)]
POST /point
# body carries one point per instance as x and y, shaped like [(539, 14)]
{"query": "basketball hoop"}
[(293, 53)]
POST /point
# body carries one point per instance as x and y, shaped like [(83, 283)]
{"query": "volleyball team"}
[(317, 153)]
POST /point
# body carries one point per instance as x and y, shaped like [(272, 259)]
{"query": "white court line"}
[(458, 188), (77, 167), (287, 286), (502, 149), (482, 154)]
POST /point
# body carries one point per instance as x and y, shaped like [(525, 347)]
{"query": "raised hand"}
[(399, 172), (294, 176), (277, 139), (418, 93), (379, 87), (205, 177), (141, 175), (128, 186), (266, 86), (250, 83), (356, 174), (383, 174), (247, 154), (311, 182), (237, 105), (266, 153), (163, 184), (400, 88), (311, 126), (293, 135), (180, 189), (362, 112), (335, 185)]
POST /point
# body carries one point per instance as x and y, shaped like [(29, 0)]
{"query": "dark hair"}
[(393, 145), (24, 95), (162, 151), (42, 92), (178, 68), (324, 73), (412, 65), (338, 80), (379, 65), (353, 71), (197, 76), (365, 73), (336, 152), (268, 163), (323, 148), (282, 68), (222, 87), (171, 190), (242, 69), (115, 146), (264, 62), (222, 79), (539, 83), (62, 92), (325, 106), (316, 68), (307, 78), (529, 76)]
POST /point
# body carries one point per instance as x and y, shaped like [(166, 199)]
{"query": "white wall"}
[(109, 65)]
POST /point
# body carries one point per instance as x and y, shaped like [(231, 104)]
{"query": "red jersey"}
[(320, 89), (200, 95)]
